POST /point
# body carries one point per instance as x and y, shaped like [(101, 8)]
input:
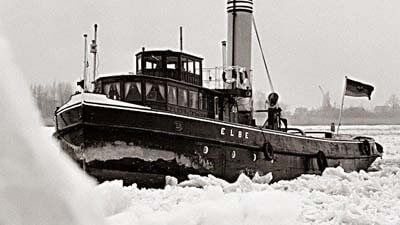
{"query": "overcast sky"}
[(307, 42)]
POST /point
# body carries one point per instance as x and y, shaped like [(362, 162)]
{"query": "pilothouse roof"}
[(168, 52)]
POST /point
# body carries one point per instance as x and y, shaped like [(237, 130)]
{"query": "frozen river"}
[(335, 197)]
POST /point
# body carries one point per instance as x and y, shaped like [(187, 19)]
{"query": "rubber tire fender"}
[(268, 151), (367, 147), (321, 161), (379, 147)]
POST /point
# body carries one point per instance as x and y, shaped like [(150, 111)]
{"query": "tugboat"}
[(174, 118)]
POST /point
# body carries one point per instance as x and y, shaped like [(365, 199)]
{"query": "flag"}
[(358, 89)]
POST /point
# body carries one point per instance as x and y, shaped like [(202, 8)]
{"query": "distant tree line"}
[(387, 113), (49, 96)]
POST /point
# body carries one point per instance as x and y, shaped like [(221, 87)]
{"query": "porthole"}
[(233, 154), (205, 149)]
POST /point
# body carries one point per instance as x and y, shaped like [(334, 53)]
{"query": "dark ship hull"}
[(141, 145)]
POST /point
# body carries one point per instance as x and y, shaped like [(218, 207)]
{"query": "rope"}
[(262, 53)]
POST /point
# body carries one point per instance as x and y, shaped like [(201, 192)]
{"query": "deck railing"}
[(212, 77)]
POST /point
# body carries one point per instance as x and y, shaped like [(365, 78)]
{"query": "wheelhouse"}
[(164, 80), (169, 64)]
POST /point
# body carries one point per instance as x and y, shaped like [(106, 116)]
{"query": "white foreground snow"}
[(38, 184), (245, 204)]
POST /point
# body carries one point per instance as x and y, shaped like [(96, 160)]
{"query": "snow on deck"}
[(106, 75), (97, 98)]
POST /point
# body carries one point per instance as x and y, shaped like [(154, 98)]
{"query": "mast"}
[(85, 66), (93, 50), (181, 38)]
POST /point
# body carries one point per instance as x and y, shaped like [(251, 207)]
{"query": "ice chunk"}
[(171, 181), (266, 179)]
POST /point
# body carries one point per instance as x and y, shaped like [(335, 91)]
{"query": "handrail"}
[(296, 129)]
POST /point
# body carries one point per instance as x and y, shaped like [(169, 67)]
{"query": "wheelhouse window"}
[(152, 62), (190, 64), (112, 90), (193, 99), (182, 97), (133, 91), (197, 68), (139, 63), (184, 64), (155, 92), (172, 95), (172, 62)]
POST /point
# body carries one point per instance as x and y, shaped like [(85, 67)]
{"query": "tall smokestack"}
[(240, 20), (240, 16)]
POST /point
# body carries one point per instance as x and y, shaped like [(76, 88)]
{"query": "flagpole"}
[(341, 107)]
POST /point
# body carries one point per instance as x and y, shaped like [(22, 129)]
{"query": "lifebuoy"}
[(321, 160), (224, 76), (268, 151)]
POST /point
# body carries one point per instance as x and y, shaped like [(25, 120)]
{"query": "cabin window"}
[(155, 92), (139, 63), (201, 101), (153, 62), (216, 107), (172, 62), (182, 97), (190, 64), (172, 95), (97, 88), (112, 90), (193, 99), (204, 103), (184, 64), (133, 91), (197, 67)]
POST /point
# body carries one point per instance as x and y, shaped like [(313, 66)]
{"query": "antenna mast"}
[(181, 37), (85, 66), (93, 49)]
